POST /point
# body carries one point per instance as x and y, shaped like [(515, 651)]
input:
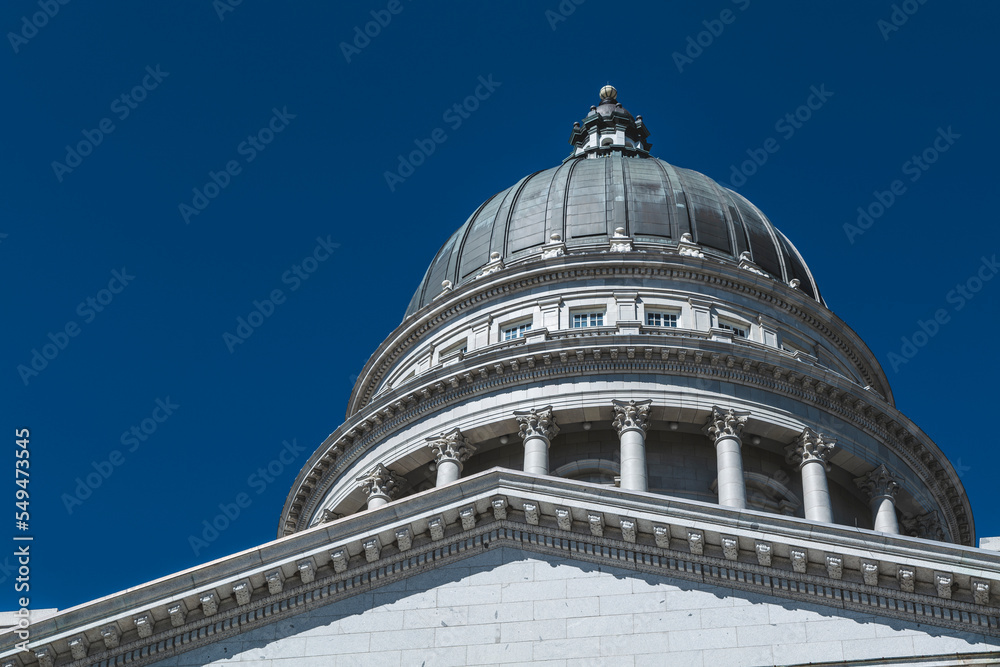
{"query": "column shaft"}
[(377, 500), (729, 458), (816, 491), (884, 514), (536, 455), (633, 455), (448, 471)]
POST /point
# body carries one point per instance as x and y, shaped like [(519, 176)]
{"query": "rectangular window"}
[(588, 320), (738, 330), (660, 319), (516, 331)]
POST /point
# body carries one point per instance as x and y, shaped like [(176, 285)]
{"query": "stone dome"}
[(585, 200)]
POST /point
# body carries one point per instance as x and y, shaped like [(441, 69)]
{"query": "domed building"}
[(618, 424)]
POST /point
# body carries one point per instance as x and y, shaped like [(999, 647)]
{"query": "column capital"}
[(810, 446), (631, 415), (879, 483), (725, 423), (537, 423), (380, 481), (451, 445)]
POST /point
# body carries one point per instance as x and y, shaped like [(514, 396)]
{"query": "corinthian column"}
[(380, 485), (631, 422), (538, 427), (451, 449), (724, 429), (881, 489), (810, 452)]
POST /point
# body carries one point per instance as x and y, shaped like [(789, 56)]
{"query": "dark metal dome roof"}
[(611, 182)]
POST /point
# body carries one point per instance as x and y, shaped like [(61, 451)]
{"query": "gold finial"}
[(609, 93)]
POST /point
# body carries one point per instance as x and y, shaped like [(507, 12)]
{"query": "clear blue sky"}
[(333, 125)]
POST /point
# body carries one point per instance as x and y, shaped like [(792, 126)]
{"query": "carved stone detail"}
[(339, 558), (696, 541), (499, 508), (878, 483), (112, 635), (451, 445), (144, 624), (380, 481), (46, 656), (209, 603), (468, 517), (531, 513), (725, 423), (631, 415), (373, 549), (907, 578), (275, 581), (926, 526), (764, 551), (404, 538), (869, 571), (537, 423), (178, 614), (688, 248), (730, 547), (554, 247), (78, 647), (564, 519), (747, 264), (596, 522), (834, 566), (243, 591), (800, 561), (943, 582), (662, 536), (981, 591), (436, 528), (307, 570), (628, 529), (810, 446), (620, 242)]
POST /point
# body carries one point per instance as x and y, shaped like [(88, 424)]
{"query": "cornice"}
[(745, 363), (919, 581), (517, 278)]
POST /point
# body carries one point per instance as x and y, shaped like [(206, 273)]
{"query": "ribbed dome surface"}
[(586, 199)]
